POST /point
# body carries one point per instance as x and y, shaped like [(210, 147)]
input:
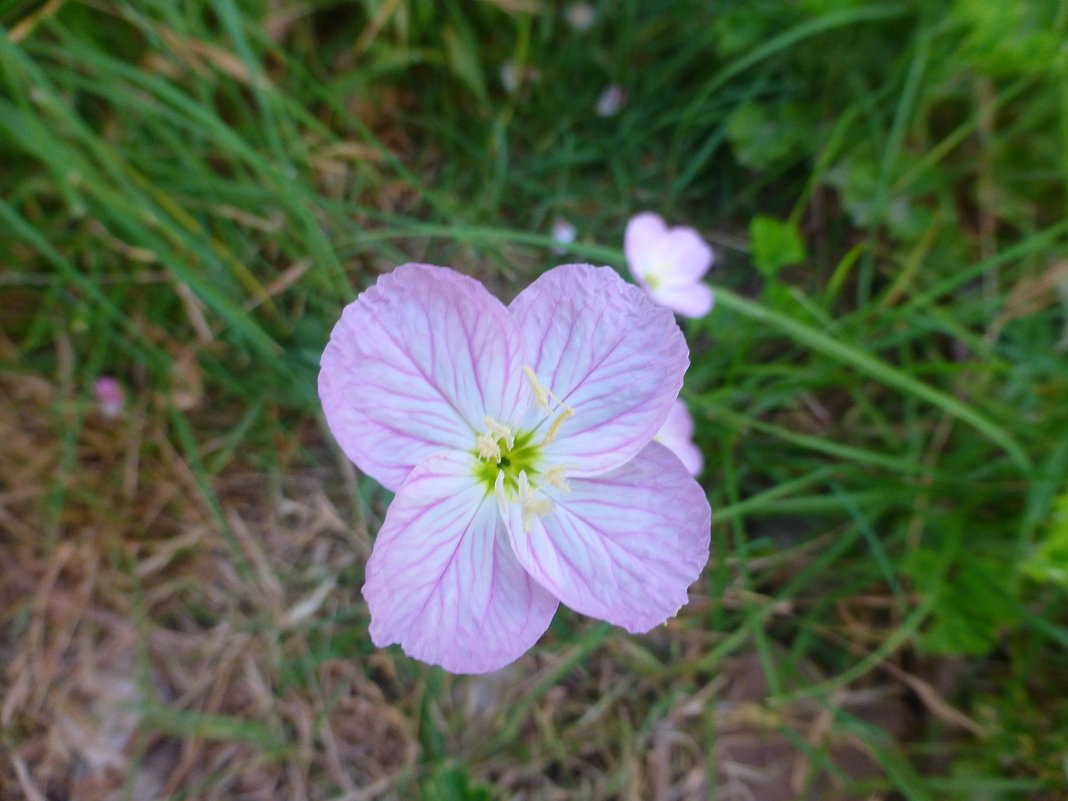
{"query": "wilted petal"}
[(677, 436), (443, 581), (414, 366), (693, 300), (608, 353), (624, 546)]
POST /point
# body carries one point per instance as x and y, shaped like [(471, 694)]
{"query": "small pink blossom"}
[(677, 436), (580, 16), (109, 397), (518, 441), (611, 101), (512, 78), (563, 234), (669, 263)]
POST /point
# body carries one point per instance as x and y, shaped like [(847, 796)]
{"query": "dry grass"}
[(152, 652)]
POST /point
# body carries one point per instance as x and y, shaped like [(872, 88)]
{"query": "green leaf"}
[(461, 52), (1049, 563), (774, 244), (972, 601), (764, 136), (450, 782)]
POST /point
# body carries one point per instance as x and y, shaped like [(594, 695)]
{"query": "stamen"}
[(532, 505), (550, 435), (498, 490), (488, 447), (554, 476), (536, 507), (500, 431), (541, 393)]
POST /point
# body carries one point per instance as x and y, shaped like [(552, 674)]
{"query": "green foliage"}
[(450, 782), (192, 192), (765, 137), (1012, 38), (1049, 562), (773, 244), (973, 601)]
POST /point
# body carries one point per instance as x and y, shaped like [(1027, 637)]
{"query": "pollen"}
[(487, 448), (499, 431)]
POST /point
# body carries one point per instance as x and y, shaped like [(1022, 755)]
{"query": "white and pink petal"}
[(442, 580), (606, 352), (677, 436), (640, 240), (414, 365), (691, 300), (682, 256), (623, 547)]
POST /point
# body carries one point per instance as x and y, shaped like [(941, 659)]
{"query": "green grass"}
[(191, 192)]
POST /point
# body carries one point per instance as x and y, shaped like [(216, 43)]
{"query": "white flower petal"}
[(622, 547), (443, 581)]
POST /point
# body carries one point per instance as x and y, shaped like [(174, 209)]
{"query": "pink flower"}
[(109, 396), (611, 101), (563, 234), (580, 16), (677, 436), (518, 441), (669, 263)]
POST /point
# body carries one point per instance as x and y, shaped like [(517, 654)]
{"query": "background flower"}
[(669, 263), (677, 436)]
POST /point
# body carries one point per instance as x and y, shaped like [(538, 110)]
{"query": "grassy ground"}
[(191, 192)]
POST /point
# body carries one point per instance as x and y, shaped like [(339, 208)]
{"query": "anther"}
[(554, 477), (541, 394), (500, 431), (488, 447), (550, 435), (531, 505)]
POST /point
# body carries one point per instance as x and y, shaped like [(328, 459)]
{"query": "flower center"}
[(499, 450), (509, 463)]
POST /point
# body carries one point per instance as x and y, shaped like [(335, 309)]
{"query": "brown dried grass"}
[(150, 651)]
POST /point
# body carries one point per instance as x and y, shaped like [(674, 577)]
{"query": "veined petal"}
[(691, 300), (607, 352), (443, 581), (414, 365), (623, 546)]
